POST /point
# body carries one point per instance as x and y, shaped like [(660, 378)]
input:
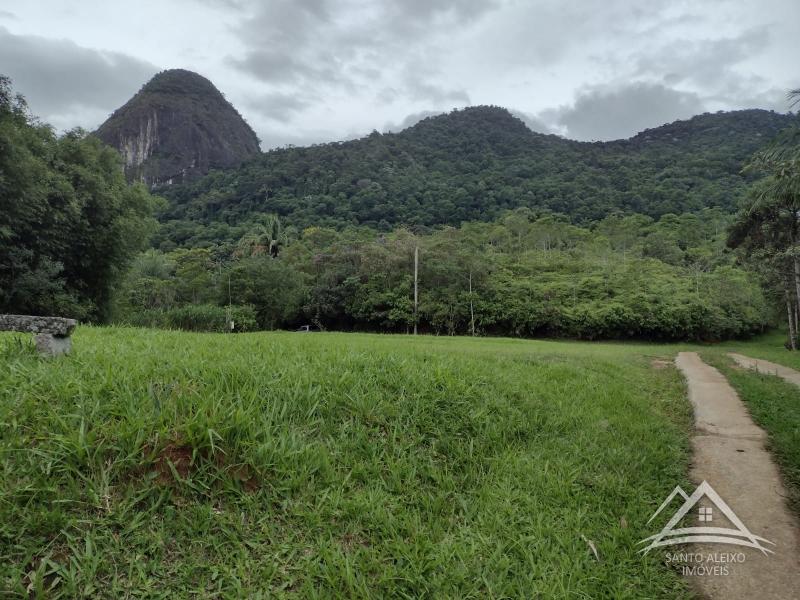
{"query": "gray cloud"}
[(223, 4), (300, 70), (278, 106), (425, 10), (273, 65), (410, 120), (310, 43), (284, 23), (533, 122), (703, 62), (430, 92), (67, 84), (606, 113)]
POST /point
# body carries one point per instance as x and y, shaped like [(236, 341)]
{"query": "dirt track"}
[(729, 454)]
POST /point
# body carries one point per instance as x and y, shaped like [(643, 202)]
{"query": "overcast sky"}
[(305, 71)]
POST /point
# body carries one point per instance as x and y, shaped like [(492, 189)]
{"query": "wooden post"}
[(416, 287)]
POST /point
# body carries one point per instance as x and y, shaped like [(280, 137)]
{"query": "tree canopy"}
[(474, 165), (69, 223), (522, 275)]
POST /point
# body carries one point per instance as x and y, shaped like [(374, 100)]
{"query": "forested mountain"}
[(177, 128), (473, 165)]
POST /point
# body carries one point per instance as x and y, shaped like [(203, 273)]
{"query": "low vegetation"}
[(319, 465)]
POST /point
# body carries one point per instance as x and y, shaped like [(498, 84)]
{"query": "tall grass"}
[(167, 464)]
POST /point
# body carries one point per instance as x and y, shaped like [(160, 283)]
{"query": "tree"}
[(69, 223), (272, 287), (768, 226), (266, 236)]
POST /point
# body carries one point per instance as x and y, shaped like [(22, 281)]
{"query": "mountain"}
[(176, 129), (474, 164)]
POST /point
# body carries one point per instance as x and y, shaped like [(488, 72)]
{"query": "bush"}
[(197, 317)]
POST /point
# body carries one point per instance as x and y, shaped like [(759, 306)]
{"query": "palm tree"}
[(266, 236), (783, 153)]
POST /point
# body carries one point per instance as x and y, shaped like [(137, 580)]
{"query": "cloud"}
[(606, 112), (303, 69), (713, 68), (410, 120), (69, 85), (277, 106), (274, 65), (386, 47), (533, 122), (705, 62), (423, 91), (223, 4), (424, 10)]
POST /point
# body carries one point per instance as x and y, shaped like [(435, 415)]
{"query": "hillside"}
[(177, 128), (473, 164)]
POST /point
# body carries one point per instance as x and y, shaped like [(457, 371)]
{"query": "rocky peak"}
[(177, 128)]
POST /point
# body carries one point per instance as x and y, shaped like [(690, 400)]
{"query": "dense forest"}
[(526, 274), (473, 165)]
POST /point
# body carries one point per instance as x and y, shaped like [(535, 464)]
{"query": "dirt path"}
[(764, 366), (729, 454)]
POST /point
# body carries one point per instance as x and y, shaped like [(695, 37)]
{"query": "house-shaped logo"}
[(670, 536)]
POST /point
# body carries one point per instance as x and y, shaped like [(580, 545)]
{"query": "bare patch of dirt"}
[(172, 456), (351, 541), (660, 363), (245, 476)]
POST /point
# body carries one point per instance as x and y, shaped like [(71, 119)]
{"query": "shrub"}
[(197, 317)]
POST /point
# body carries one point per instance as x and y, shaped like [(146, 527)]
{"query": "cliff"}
[(176, 129)]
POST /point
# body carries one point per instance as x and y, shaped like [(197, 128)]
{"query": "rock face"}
[(176, 129)]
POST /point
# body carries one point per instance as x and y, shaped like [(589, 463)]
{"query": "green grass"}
[(166, 464)]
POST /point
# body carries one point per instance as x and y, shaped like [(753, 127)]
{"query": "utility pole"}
[(471, 308), (231, 324), (416, 288)]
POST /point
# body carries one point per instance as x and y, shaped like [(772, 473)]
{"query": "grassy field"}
[(166, 464)]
